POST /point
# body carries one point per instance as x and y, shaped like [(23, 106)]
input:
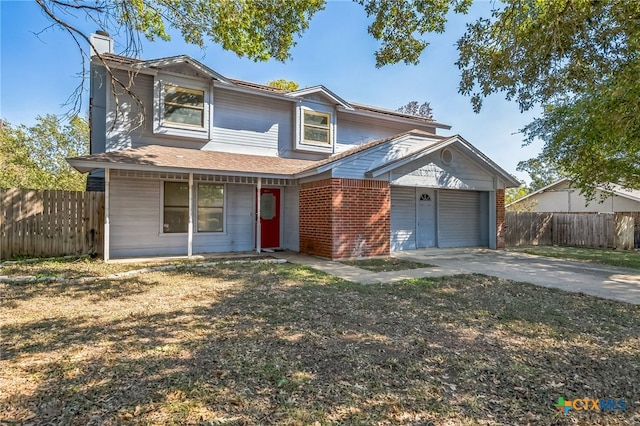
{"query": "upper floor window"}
[(183, 106), (316, 127)]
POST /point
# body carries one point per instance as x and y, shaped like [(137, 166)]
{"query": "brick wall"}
[(500, 217), (342, 218), (315, 218), (362, 218)]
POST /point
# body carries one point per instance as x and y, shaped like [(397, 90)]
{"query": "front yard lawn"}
[(626, 259), (248, 344), (385, 264)]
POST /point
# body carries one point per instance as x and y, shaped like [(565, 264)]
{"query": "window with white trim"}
[(208, 203), (183, 106), (175, 217), (316, 127), (210, 207)]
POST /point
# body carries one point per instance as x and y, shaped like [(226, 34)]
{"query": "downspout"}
[(107, 193), (258, 226), (190, 231)]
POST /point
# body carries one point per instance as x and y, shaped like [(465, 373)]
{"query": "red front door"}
[(270, 217)]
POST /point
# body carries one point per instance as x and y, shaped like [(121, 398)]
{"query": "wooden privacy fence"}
[(50, 223), (572, 229)]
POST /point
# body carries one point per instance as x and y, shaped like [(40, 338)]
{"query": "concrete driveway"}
[(597, 280)]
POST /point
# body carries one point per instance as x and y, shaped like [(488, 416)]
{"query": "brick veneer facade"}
[(343, 218), (500, 225)]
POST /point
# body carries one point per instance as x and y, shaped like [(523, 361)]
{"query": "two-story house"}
[(221, 165)]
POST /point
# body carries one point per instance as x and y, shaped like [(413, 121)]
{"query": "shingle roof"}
[(158, 156)]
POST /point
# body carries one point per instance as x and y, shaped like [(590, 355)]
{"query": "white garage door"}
[(459, 216), (403, 218)]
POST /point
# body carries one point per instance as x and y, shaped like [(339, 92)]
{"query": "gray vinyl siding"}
[(135, 222), (356, 166), (430, 171), (290, 218), (459, 219), (251, 124), (239, 224), (403, 218), (355, 130), (119, 133)]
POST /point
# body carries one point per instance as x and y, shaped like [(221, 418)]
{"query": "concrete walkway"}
[(608, 282)]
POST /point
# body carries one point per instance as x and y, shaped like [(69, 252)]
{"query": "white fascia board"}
[(184, 59), (395, 118), (84, 166), (621, 191), (320, 89), (114, 65), (489, 164)]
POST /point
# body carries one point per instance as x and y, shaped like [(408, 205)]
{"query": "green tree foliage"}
[(579, 59), (594, 137), (414, 108), (542, 171), (514, 194), (400, 26), (258, 29), (34, 157), (284, 84)]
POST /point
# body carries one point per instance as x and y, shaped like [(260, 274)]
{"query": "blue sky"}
[(39, 72)]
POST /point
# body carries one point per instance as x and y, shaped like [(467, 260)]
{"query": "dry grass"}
[(281, 344), (385, 264)]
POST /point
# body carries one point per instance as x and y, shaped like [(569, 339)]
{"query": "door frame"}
[(258, 220), (434, 193)]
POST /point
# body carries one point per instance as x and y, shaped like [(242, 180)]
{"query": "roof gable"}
[(324, 92), (460, 143)]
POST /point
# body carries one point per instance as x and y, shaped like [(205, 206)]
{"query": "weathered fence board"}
[(618, 230), (50, 223)]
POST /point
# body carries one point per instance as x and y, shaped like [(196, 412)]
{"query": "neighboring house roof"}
[(615, 189), (120, 61)]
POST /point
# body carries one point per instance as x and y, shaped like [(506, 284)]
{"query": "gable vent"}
[(446, 156)]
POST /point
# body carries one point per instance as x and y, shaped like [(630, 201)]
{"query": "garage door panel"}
[(403, 218), (459, 219)]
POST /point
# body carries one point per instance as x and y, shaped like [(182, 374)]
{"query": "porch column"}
[(107, 194), (493, 230), (190, 230), (258, 226)]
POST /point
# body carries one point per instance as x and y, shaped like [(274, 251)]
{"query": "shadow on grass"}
[(287, 345)]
